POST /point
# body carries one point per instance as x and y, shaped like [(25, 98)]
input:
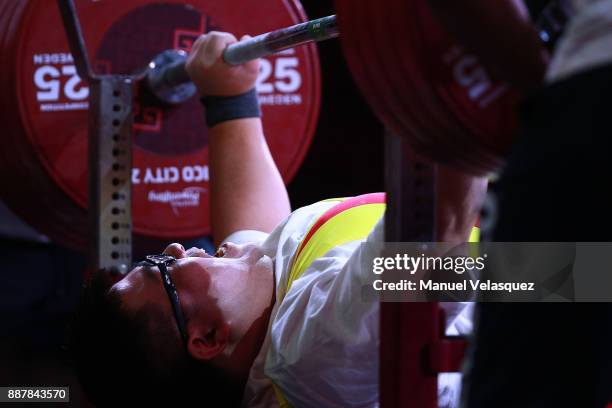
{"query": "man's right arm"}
[(247, 190)]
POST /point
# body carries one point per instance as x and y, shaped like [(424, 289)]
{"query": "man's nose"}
[(176, 250)]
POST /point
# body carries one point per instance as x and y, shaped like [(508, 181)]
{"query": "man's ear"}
[(206, 344)]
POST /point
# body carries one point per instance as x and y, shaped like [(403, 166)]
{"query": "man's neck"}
[(250, 331)]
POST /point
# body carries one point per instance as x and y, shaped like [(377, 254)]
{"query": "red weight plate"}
[(385, 82), (170, 177), (430, 117), (483, 104), (384, 77), (355, 47), (448, 131), (423, 88), (365, 62), (18, 171), (455, 137), (467, 155)]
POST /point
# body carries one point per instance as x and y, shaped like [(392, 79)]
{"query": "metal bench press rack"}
[(413, 345)]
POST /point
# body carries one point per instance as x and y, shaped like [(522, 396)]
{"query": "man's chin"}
[(264, 263)]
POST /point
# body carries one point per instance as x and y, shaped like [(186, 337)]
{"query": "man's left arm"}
[(460, 197)]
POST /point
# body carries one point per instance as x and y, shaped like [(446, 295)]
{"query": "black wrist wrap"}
[(223, 108)]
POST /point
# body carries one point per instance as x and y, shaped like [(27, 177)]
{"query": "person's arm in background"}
[(501, 33), (246, 188), (460, 199)]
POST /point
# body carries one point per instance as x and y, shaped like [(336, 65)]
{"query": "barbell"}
[(422, 84), (440, 97), (458, 115), (167, 77)]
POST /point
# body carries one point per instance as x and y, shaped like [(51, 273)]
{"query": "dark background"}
[(41, 283)]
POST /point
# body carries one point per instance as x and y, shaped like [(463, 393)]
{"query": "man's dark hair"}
[(138, 358)]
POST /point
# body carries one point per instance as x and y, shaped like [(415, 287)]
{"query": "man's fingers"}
[(218, 40), (211, 74), (212, 42), (176, 250), (222, 34), (198, 42), (250, 66)]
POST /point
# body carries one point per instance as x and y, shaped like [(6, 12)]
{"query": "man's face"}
[(208, 286)]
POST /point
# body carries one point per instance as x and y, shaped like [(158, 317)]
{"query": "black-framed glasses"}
[(162, 262)]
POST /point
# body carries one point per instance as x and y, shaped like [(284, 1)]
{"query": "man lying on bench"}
[(275, 316)]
